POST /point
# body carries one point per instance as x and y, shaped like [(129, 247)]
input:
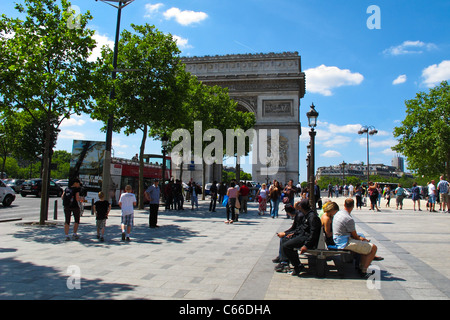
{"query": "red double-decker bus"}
[(87, 165)]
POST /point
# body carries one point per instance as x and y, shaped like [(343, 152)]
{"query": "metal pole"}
[(107, 159), (312, 197), (368, 172)]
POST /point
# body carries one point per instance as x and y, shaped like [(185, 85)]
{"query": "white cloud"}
[(182, 42), (400, 79), (71, 135), (331, 154), (151, 9), (389, 152), (378, 144), (410, 47), (186, 17), (323, 79), (73, 121), (102, 40), (434, 74)]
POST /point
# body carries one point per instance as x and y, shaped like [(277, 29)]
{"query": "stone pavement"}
[(194, 255)]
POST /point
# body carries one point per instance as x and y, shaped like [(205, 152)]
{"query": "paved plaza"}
[(194, 255)]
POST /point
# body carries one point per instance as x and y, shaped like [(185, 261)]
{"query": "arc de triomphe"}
[(269, 85)]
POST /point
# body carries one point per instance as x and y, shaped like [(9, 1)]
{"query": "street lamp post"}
[(312, 121), (119, 4), (343, 164), (165, 143), (369, 130)]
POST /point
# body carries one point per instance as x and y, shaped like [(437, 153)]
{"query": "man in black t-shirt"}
[(70, 197)]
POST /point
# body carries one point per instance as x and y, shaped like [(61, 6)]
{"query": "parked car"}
[(7, 194), (15, 184), (64, 183), (33, 187)]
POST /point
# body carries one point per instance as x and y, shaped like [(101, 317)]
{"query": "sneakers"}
[(297, 270), (282, 267)]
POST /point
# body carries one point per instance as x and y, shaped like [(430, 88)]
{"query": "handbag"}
[(225, 201), (286, 200), (238, 204)]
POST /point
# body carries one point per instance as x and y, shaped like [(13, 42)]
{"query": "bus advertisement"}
[(87, 165)]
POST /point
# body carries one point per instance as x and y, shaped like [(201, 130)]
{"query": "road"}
[(29, 208)]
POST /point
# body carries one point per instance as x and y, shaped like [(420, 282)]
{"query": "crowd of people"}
[(433, 193), (337, 225)]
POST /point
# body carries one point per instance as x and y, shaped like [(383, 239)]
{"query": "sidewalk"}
[(194, 255)]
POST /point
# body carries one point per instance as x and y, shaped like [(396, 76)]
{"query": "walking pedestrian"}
[(213, 193), (232, 194), (443, 189), (71, 198), (152, 194), (415, 195), (262, 196), (101, 209), (127, 202), (432, 196)]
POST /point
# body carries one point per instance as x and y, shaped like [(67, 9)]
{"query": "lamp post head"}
[(117, 3), (312, 116), (165, 140)]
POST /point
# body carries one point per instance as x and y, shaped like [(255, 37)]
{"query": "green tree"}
[(44, 68), (146, 94), (424, 136)]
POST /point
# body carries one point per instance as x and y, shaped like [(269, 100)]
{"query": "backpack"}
[(69, 198)]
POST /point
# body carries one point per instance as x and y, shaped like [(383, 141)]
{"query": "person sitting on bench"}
[(346, 237), (329, 210), (297, 216), (305, 236)]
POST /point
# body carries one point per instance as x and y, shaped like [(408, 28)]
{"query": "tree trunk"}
[(45, 176), (203, 179), (141, 169)]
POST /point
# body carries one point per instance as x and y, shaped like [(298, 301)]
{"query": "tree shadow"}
[(141, 233), (26, 281)]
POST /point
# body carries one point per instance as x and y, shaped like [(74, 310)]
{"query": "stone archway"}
[(269, 85)]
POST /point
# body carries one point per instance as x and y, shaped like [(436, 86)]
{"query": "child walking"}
[(127, 202), (101, 209)]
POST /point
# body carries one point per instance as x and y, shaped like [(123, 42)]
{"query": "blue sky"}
[(356, 76)]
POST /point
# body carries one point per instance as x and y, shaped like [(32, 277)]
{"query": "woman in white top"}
[(262, 193)]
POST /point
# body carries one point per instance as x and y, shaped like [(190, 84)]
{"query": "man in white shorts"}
[(345, 237)]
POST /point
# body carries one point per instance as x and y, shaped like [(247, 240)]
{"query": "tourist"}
[(399, 196), (415, 196), (262, 196), (346, 237), (443, 188), (127, 202)]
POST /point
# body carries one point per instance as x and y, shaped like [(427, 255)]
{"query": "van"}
[(7, 194)]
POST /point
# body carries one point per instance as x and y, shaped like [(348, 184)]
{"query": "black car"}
[(33, 187)]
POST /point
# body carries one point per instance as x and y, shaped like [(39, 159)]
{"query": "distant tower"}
[(399, 163)]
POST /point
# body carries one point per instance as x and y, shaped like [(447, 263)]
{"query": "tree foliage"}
[(424, 136), (44, 68)]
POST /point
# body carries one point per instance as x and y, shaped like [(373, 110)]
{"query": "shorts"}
[(359, 246), (68, 213), (128, 220), (444, 197), (432, 198), (101, 224)]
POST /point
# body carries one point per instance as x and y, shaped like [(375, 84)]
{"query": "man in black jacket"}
[(297, 216), (305, 235)]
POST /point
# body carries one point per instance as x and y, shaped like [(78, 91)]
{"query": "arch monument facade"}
[(269, 85)]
